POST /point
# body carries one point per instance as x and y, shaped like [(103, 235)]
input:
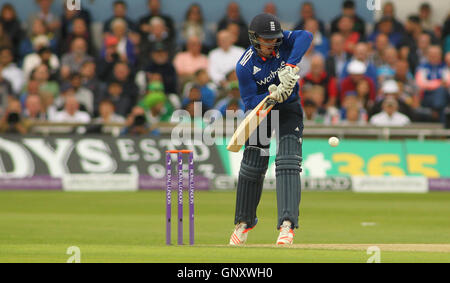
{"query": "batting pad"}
[(288, 169), (250, 185)]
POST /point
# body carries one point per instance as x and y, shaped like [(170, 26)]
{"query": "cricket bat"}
[(251, 123)]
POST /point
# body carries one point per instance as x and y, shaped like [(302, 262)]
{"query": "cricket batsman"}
[(271, 60)]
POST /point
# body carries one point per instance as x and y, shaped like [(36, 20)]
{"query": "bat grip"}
[(271, 102)]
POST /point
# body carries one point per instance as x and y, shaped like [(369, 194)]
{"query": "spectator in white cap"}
[(42, 54), (390, 116), (390, 89), (356, 70), (361, 53)]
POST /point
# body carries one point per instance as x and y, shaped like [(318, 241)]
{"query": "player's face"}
[(267, 46)]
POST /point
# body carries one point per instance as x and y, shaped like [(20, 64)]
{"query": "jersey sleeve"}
[(298, 42), (248, 88)]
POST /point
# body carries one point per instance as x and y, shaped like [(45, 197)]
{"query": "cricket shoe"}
[(286, 234), (240, 234)]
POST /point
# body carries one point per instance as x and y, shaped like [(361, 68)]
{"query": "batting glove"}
[(289, 76), (279, 93)]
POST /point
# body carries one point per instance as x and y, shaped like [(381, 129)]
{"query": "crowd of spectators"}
[(51, 69)]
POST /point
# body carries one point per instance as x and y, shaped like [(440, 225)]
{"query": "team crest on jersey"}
[(256, 70)]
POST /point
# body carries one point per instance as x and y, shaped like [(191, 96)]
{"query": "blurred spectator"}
[(120, 10), (353, 117), (381, 44), (83, 95), (68, 18), (71, 112), (349, 10), (107, 113), (236, 106), (409, 45), (79, 29), (12, 26), (156, 104), (352, 100), (6, 92), (5, 40), (44, 13), (136, 123), (155, 11), (316, 93), (337, 57), (10, 71), (122, 74), (362, 96), (311, 112), (233, 16), (306, 13), (194, 24), (390, 89), (389, 116), (387, 69), (223, 59), (46, 82), (433, 80), (446, 34), (407, 83), (386, 26), (351, 37), (43, 55), (207, 89), (388, 11), (361, 54), (196, 109), (318, 76), (91, 82), (107, 116), (320, 42), (230, 77), (38, 38), (12, 121), (125, 47), (447, 60), (33, 109), (305, 63), (72, 62), (423, 43), (188, 62), (232, 95), (158, 33), (48, 105), (426, 17), (160, 64), (115, 92), (108, 58), (356, 70), (271, 8), (31, 88)]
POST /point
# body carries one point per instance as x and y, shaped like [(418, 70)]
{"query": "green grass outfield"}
[(130, 227)]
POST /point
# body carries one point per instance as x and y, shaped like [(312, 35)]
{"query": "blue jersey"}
[(256, 74)]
